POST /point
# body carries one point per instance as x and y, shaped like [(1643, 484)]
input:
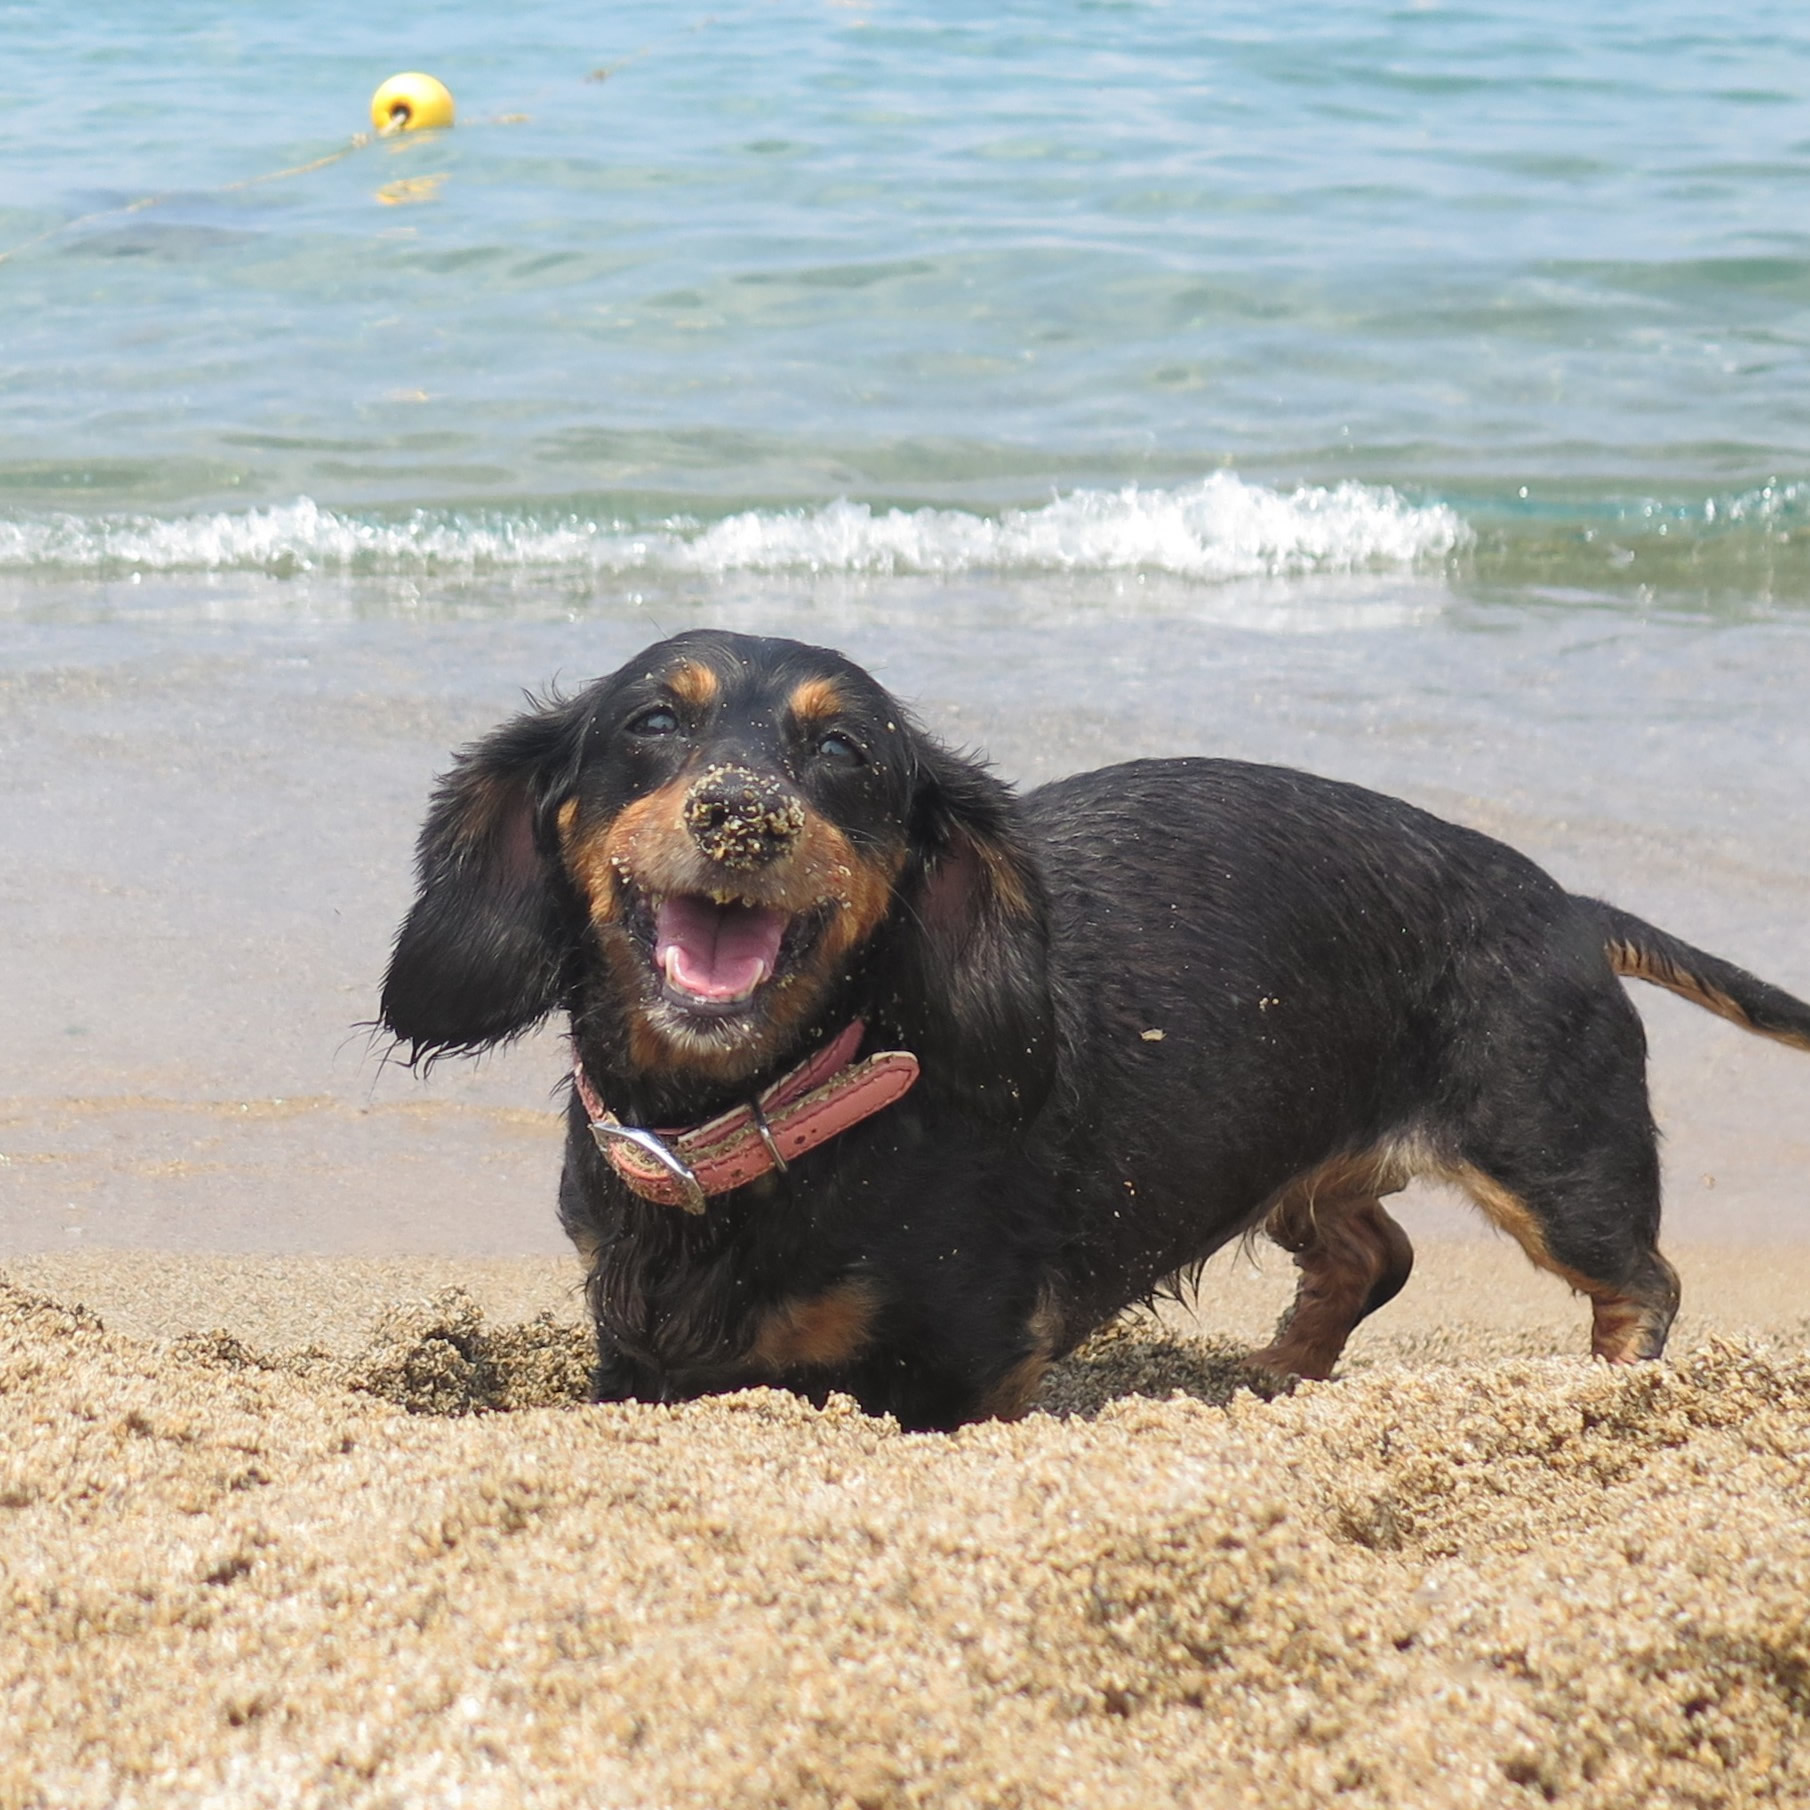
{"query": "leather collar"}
[(815, 1102)]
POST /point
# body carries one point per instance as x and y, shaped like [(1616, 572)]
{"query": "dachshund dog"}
[(890, 1081)]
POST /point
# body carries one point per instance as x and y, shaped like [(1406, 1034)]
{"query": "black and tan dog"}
[(891, 1081)]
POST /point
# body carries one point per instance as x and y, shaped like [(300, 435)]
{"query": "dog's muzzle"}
[(742, 819)]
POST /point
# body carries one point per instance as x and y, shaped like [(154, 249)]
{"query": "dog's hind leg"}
[(1352, 1257), (1560, 1152), (1602, 1247)]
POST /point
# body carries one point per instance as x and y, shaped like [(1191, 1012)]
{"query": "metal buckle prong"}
[(692, 1196)]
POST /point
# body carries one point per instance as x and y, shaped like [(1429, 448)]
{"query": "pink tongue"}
[(716, 951)]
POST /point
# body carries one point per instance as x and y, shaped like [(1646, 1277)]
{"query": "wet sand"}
[(205, 838), (206, 831)]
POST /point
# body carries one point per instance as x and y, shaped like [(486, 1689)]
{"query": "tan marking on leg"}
[(1345, 1180), (1359, 1175), (816, 701), (694, 684), (1619, 1331), (1625, 1327), (1345, 1246), (1011, 1396), (814, 1332)]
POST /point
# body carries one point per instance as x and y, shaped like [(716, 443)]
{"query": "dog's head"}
[(713, 851)]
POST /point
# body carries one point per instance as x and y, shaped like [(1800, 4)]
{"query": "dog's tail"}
[(1641, 952)]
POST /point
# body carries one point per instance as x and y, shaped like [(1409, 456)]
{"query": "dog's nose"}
[(743, 819)]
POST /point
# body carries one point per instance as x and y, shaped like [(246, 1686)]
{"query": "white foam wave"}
[(1221, 528)]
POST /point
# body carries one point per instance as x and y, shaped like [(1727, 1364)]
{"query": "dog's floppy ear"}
[(974, 998), (482, 955)]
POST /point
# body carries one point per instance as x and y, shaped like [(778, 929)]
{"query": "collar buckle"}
[(691, 1191), (820, 1099)]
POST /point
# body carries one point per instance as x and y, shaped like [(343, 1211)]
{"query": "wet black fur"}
[(1330, 970)]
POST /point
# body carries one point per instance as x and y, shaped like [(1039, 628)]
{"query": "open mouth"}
[(714, 955)]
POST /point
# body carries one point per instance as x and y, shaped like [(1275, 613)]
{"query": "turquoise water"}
[(1512, 299)]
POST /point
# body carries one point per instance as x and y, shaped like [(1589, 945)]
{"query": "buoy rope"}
[(604, 71), (358, 142)]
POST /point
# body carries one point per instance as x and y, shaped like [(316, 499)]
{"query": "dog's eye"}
[(839, 747), (661, 720)]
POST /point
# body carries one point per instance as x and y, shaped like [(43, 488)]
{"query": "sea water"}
[(1416, 394), (1514, 295)]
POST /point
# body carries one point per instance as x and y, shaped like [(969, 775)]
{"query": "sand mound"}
[(229, 1578), (435, 1357)]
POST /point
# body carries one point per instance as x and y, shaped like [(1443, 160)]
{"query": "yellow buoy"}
[(410, 103)]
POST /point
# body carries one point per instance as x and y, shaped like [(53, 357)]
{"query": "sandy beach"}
[(1412, 396), (399, 1564), (300, 1503)]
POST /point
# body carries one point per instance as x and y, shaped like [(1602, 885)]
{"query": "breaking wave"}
[(1218, 529)]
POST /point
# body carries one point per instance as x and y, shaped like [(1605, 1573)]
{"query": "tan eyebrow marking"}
[(816, 700), (694, 684)]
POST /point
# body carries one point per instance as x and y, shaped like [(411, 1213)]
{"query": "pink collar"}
[(819, 1099)]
